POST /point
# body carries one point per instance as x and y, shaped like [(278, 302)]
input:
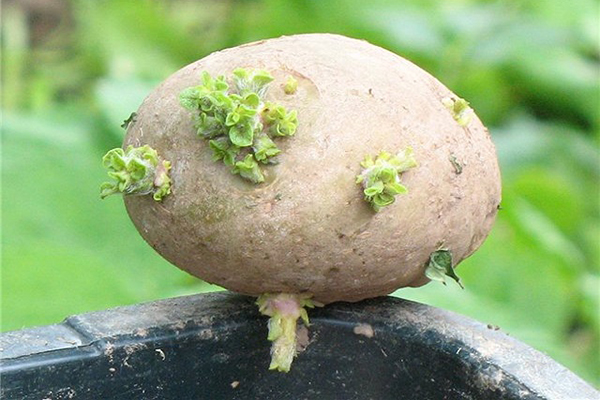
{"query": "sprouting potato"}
[(309, 169)]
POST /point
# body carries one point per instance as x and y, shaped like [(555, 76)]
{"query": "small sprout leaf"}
[(461, 112), (162, 181), (291, 85), (382, 200), (232, 118), (241, 134), (368, 162), (374, 189), (404, 160), (261, 79), (249, 169), (224, 150), (190, 98), (251, 81), (252, 101), (395, 188), (440, 266), (209, 127), (280, 122), (264, 148)]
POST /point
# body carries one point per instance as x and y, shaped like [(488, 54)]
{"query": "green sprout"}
[(252, 81), (248, 168), (291, 85), (461, 112), (280, 121), (284, 310), (264, 148), (440, 266), (380, 178), (239, 125), (136, 170)]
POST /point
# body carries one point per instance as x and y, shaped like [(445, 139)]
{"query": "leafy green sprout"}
[(380, 177), (291, 85), (136, 171), (239, 125), (440, 266), (461, 112)]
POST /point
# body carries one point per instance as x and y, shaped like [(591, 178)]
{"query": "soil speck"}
[(365, 330)]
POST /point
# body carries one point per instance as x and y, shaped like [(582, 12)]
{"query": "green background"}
[(73, 71)]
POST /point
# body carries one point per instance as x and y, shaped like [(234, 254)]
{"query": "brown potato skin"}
[(308, 228)]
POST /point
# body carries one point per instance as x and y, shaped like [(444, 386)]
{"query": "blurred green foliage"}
[(73, 71)]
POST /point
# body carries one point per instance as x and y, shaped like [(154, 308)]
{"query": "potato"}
[(307, 228)]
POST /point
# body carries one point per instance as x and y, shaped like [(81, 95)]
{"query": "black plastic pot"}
[(214, 346)]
